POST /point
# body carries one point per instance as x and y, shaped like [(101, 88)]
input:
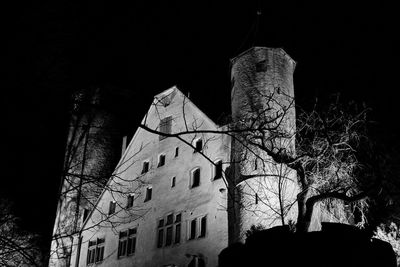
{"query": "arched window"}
[(195, 178)]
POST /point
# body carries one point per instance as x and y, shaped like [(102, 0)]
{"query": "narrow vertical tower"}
[(92, 150), (262, 97)]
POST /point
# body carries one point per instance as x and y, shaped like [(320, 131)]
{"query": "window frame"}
[(112, 206), (173, 226), (192, 176), (149, 193), (95, 252), (195, 144), (130, 200), (161, 160), (214, 169), (124, 242), (147, 164), (165, 126)]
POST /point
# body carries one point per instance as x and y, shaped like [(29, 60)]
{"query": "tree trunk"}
[(305, 211)]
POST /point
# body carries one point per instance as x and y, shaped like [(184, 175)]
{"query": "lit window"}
[(111, 207), (95, 251), (218, 170), (165, 127), (129, 201), (198, 145), (169, 230), (149, 191), (161, 160), (145, 167), (127, 242), (173, 181), (195, 179)]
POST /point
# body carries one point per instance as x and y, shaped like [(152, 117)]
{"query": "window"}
[(203, 226), (195, 179), (198, 145), (129, 201), (145, 167), (161, 160), (256, 198), (127, 242), (85, 214), (165, 127), (197, 262), (95, 251), (193, 229), (169, 230), (149, 191), (198, 228), (262, 66), (111, 207), (218, 170), (176, 152), (173, 180)]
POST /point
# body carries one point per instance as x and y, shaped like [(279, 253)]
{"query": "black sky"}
[(55, 47)]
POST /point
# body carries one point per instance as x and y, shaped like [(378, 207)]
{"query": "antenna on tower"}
[(252, 31)]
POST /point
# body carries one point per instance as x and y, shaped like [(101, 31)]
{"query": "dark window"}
[(168, 239), (111, 207), (149, 191), (160, 241), (161, 160), (176, 152), (193, 226), (95, 251), (169, 231), (203, 226), (195, 178), (201, 262), (256, 198), (218, 170), (198, 145), (85, 214), (129, 202), (177, 233), (127, 242), (261, 66), (145, 167), (165, 127), (173, 180)]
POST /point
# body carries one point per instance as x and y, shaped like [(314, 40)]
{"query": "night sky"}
[(55, 47)]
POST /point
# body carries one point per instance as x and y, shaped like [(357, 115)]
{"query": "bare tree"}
[(328, 149), (17, 247)]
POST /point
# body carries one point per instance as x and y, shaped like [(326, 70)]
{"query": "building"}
[(185, 187)]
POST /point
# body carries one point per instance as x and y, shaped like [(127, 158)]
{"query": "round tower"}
[(262, 96), (92, 152)]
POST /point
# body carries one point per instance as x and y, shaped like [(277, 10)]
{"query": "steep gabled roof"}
[(164, 98)]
